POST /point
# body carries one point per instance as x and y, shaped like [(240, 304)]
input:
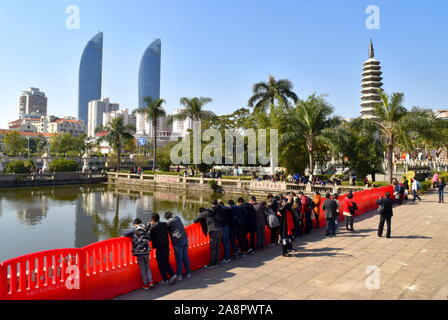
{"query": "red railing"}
[(106, 269)]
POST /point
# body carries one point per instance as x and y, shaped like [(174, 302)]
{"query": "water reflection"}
[(75, 216)]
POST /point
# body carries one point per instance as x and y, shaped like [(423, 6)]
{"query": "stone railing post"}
[(308, 187)]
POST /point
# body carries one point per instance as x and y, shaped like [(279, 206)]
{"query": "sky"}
[(219, 49)]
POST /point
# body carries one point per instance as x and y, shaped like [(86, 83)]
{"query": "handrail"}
[(106, 269)]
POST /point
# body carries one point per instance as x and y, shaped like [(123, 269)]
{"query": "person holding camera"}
[(386, 213)]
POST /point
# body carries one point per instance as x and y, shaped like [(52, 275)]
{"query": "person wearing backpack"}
[(272, 219), (140, 237), (415, 188)]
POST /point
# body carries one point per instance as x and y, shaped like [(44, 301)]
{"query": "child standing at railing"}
[(140, 248)]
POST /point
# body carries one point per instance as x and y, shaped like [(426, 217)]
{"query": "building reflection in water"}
[(99, 212)]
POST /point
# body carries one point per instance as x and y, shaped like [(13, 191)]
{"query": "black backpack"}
[(311, 204)]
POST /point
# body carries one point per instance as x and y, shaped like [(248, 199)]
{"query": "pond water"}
[(45, 218)]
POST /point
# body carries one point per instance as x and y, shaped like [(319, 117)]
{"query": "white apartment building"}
[(49, 124), (95, 113), (145, 128), (442, 114), (69, 125), (181, 127), (32, 102), (128, 117)]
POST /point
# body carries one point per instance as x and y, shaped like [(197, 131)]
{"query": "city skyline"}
[(234, 57)]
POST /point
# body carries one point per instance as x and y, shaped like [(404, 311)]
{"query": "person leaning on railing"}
[(179, 240), (140, 237), (212, 226)]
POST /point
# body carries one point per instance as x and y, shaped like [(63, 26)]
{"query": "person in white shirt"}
[(414, 188)]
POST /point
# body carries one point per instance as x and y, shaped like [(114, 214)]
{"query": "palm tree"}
[(265, 94), (194, 109), (153, 112), (312, 121), (116, 135), (394, 124)]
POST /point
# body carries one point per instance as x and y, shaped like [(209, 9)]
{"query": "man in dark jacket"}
[(224, 213), (161, 242), (140, 248), (211, 225), (251, 225), (179, 239), (260, 221), (331, 211), (385, 210), (237, 227)]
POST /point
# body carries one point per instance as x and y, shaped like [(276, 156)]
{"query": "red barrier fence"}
[(106, 269)]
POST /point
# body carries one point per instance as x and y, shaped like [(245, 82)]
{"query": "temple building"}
[(371, 84)]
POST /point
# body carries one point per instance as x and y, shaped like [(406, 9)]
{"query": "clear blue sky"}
[(221, 48)]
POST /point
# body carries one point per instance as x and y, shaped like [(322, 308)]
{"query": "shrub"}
[(19, 166), (63, 165)]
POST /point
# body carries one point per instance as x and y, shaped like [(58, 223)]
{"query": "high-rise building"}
[(95, 113), (90, 75), (144, 125), (371, 84), (181, 127), (149, 73), (128, 117), (32, 102)]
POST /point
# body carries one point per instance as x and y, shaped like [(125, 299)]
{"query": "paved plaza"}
[(413, 264)]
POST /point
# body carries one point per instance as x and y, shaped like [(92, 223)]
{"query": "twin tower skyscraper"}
[(91, 72)]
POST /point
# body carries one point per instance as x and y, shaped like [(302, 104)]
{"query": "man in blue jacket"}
[(179, 240)]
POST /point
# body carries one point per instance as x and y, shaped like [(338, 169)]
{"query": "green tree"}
[(14, 143), (153, 112), (394, 124), (194, 109), (266, 94), (63, 143), (117, 136), (313, 121), (364, 154)]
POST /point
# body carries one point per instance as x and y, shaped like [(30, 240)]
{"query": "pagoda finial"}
[(371, 51)]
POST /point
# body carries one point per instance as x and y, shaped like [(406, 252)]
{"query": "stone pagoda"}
[(371, 84)]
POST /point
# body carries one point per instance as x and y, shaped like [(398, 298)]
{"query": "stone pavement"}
[(413, 264)]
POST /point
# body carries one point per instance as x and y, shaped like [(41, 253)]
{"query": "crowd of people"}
[(241, 229)]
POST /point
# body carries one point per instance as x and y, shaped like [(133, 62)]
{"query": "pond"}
[(45, 218)]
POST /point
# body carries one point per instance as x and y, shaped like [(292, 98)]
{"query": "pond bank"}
[(49, 179)]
